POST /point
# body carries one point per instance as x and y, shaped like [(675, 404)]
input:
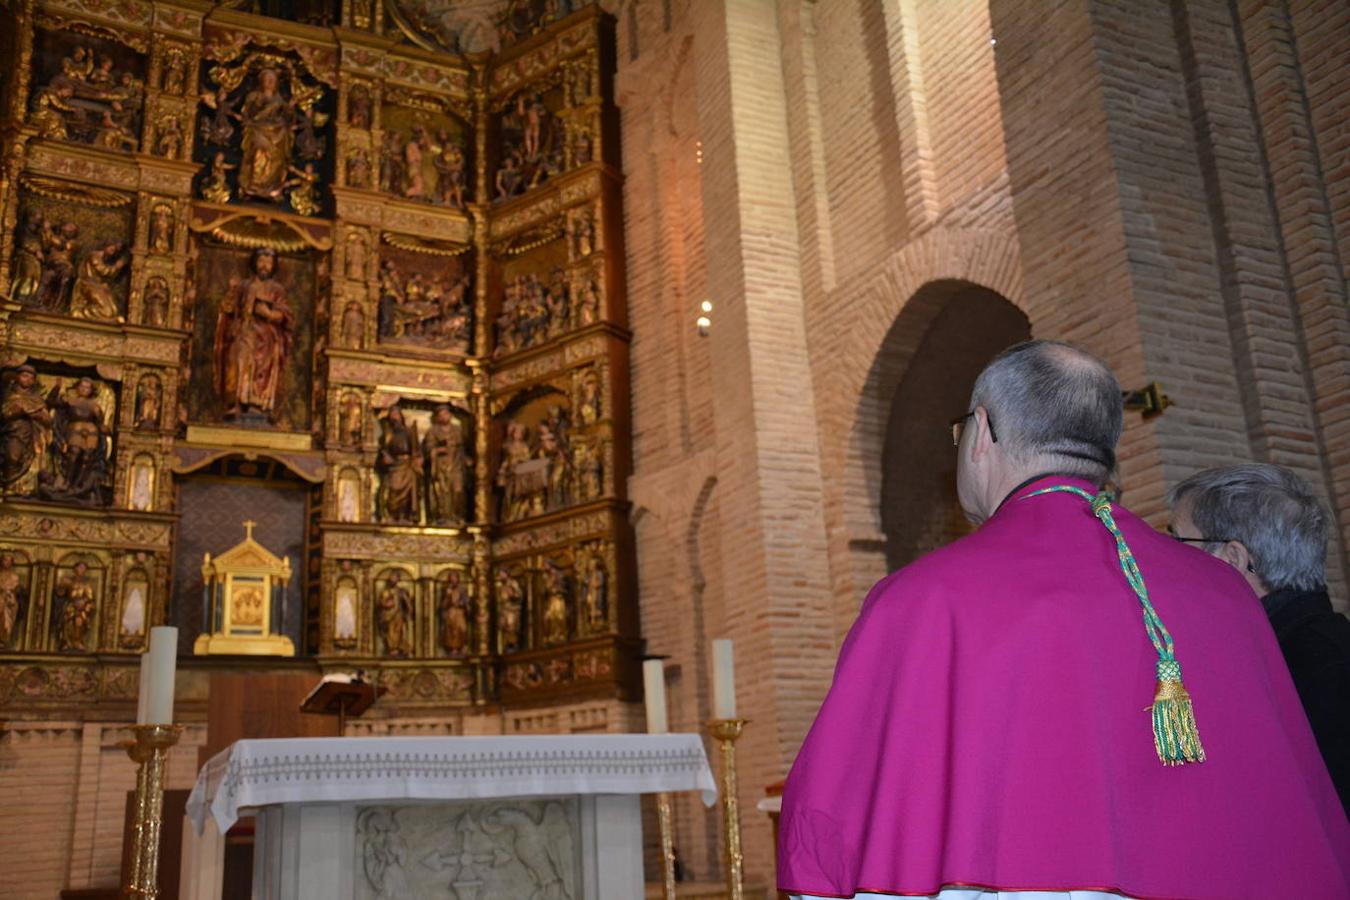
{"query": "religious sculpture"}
[(79, 446), (583, 234), (400, 466), (349, 497), (510, 179), (588, 310), (589, 397), (75, 596), (517, 486), (88, 103), (58, 265), (266, 118), (353, 326), (429, 312), (510, 610), (454, 613), (532, 311), (304, 191), (594, 592), (28, 259), (359, 106), (394, 607), (556, 590), (175, 72), (587, 460), (218, 127), (92, 297), (216, 186), (356, 256), (449, 163), (253, 340), (11, 599), (161, 229), (353, 419), (443, 449), (27, 424), (169, 143), (149, 393), (358, 170), (155, 302)]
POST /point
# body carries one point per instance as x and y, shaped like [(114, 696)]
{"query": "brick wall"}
[(1163, 182)]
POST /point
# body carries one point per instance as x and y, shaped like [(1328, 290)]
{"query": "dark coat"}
[(1315, 641)]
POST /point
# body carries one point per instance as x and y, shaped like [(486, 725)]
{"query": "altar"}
[(548, 816)]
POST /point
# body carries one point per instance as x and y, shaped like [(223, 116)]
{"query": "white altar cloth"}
[(256, 773)]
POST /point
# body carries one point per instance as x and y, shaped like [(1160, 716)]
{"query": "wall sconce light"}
[(698, 152), (1148, 400), (704, 321)]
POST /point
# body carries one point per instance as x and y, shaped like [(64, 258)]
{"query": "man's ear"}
[(980, 443), (1236, 555)]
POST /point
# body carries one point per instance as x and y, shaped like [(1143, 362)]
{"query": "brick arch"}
[(871, 342)]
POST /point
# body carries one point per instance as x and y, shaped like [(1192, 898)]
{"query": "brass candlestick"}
[(726, 731), (150, 751), (663, 818)]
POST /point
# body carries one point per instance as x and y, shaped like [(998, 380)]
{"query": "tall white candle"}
[(654, 689), (724, 680), (163, 661), (143, 690)]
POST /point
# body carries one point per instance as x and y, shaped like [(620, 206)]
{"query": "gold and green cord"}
[(1175, 736)]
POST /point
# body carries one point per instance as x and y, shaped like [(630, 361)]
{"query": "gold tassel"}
[(1175, 735)]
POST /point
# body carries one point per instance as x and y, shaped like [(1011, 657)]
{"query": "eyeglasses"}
[(958, 425), (1197, 540)]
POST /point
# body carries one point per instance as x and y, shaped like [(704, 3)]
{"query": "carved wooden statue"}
[(11, 599), (454, 612), (254, 333), (394, 608), (443, 449), (400, 467), (75, 595)]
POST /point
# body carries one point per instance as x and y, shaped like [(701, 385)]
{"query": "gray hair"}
[(1054, 404), (1271, 511)]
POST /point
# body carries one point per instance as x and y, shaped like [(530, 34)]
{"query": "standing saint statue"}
[(400, 467), (443, 451), (394, 608), (454, 610), (510, 610), (25, 429), (555, 603), (254, 333), (266, 117), (11, 598), (75, 593)]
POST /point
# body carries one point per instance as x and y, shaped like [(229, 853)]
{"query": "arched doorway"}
[(967, 326)]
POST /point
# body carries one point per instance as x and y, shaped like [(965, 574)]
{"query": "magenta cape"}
[(988, 726)]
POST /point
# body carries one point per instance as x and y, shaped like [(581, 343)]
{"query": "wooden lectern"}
[(341, 699)]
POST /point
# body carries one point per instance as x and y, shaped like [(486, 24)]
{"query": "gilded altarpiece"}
[(360, 285)]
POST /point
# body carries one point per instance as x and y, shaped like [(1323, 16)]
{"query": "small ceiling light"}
[(706, 306), (704, 322), (993, 42), (698, 152)]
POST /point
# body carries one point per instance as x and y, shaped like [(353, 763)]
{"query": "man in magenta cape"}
[(989, 723)]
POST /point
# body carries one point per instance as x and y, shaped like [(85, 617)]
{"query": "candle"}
[(654, 687), (163, 659), (144, 689), (724, 680)]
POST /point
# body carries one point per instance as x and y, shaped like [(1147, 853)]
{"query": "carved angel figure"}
[(215, 186)]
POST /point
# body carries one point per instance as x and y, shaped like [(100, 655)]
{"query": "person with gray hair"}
[(983, 735), (1266, 523)]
